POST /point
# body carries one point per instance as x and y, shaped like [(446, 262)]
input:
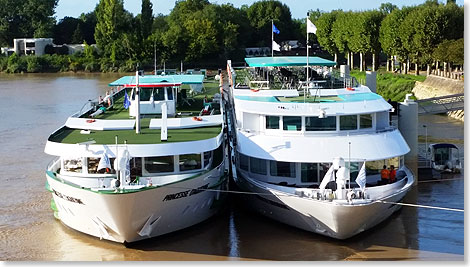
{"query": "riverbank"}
[(391, 85)]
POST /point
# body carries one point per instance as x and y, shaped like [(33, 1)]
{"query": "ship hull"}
[(336, 219), (126, 217)]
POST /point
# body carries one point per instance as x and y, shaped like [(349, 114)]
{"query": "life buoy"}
[(197, 118), (254, 90), (349, 88), (90, 121)]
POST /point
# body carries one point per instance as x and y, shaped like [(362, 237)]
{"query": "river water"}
[(34, 105)]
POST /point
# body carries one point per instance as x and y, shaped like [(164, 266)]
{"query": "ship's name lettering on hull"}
[(71, 199), (186, 193)]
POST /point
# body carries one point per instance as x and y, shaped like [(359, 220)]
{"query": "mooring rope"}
[(419, 206), (440, 180), (290, 195)]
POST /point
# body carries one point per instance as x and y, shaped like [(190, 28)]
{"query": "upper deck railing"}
[(294, 78)]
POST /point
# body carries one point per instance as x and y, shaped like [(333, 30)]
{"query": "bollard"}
[(408, 126)]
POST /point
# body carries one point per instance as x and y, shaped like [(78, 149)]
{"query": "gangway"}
[(440, 104)]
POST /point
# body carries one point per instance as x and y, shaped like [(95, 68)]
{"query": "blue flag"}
[(127, 103), (275, 30)]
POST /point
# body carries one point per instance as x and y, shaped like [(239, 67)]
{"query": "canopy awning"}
[(159, 79), (152, 85), (288, 61)]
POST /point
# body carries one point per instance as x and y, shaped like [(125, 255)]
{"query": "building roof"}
[(288, 61)]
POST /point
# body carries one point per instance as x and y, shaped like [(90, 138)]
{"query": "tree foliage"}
[(26, 18)]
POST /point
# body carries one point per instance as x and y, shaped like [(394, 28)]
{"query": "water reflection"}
[(32, 106)]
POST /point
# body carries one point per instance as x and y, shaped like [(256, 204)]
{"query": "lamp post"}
[(426, 141)]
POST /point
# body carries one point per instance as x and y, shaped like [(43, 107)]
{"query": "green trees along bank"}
[(204, 34), (425, 35)]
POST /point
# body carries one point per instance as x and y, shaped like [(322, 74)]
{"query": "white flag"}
[(311, 28), (361, 177), (276, 47), (329, 176), (104, 162)]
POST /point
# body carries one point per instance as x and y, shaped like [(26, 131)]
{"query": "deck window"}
[(159, 164), (189, 162), (365, 121), (348, 122), (317, 124), (218, 155), (283, 169), (73, 165), (309, 172), (244, 162), (292, 123), (93, 165), (272, 122), (207, 158), (170, 93), (258, 166)]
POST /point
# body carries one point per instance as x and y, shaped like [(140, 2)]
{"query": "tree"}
[(87, 26), (112, 21), (146, 19), (324, 34), (65, 29), (390, 36), (387, 8), (27, 18), (342, 32), (261, 13)]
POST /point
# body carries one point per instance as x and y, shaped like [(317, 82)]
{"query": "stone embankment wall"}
[(435, 86)]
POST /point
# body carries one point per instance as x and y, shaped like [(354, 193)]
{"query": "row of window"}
[(151, 165), (275, 171), (157, 92), (346, 123)]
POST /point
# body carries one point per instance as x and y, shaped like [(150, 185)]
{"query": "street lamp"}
[(426, 141)]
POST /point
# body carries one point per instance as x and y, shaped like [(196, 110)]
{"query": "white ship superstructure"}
[(301, 148), (125, 177)]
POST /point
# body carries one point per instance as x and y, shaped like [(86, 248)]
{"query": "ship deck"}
[(68, 135)]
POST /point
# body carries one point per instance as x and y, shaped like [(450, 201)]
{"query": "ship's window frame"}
[(345, 127), (329, 129), (289, 128), (242, 159), (363, 119), (145, 171), (267, 121), (258, 166), (189, 160), (274, 169)]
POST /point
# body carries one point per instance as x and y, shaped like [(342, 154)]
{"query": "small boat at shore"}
[(445, 158), (310, 153), (141, 162)]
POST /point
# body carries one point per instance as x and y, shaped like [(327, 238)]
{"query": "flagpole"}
[(272, 38), (349, 169), (307, 60), (137, 97)]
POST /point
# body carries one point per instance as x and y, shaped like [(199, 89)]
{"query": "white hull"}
[(133, 216), (338, 218)]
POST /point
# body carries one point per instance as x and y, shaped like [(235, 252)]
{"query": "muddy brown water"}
[(34, 105)]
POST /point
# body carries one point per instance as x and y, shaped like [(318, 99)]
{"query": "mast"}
[(137, 97), (155, 57), (272, 38), (305, 90)]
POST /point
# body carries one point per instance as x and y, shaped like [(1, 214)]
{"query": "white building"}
[(31, 46)]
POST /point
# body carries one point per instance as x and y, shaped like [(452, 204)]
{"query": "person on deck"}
[(385, 175), (393, 174)]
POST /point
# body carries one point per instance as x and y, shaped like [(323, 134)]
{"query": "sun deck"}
[(116, 121), (312, 99)]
